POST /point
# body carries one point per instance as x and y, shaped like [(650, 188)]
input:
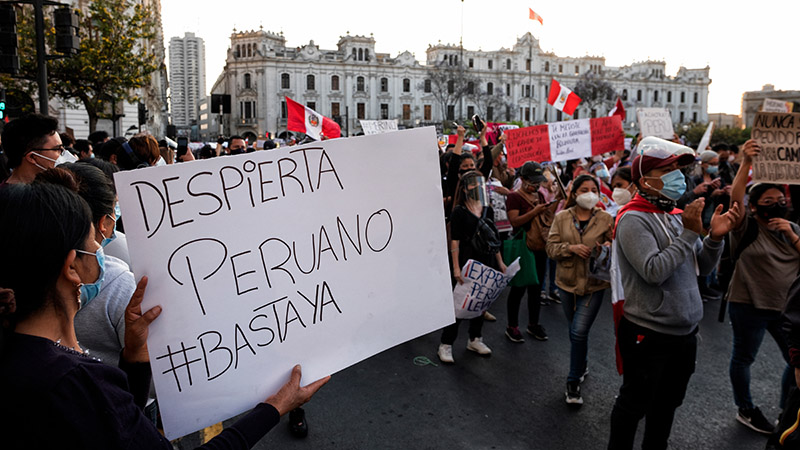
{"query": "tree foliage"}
[(113, 61), (594, 91), (449, 84), (734, 136)]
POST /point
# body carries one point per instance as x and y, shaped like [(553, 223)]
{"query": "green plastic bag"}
[(517, 248)]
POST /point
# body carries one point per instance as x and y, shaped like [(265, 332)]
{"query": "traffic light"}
[(66, 24), (2, 104), (9, 58), (142, 114)]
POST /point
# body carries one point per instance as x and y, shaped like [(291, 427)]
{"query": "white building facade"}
[(187, 73), (356, 82)]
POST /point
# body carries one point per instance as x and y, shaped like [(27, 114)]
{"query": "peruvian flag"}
[(305, 120), (535, 16), (618, 110), (562, 98)]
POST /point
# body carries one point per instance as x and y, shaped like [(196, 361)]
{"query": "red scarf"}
[(639, 203)]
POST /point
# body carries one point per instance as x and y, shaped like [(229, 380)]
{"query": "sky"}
[(745, 46)]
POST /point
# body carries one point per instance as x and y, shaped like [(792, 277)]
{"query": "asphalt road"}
[(515, 398)]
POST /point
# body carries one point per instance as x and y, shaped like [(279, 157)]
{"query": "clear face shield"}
[(475, 189)]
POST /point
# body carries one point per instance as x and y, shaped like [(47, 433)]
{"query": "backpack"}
[(485, 240)]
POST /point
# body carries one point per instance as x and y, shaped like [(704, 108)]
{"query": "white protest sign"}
[(570, 140), (481, 287), (294, 256), (371, 127), (655, 122), (706, 139), (779, 106)]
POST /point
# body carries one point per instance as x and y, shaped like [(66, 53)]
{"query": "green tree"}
[(594, 91), (114, 58)]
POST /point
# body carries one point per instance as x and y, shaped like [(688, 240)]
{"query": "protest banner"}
[(779, 137), (706, 139), (481, 287), (371, 127), (779, 106), (561, 141), (655, 122), (293, 256)]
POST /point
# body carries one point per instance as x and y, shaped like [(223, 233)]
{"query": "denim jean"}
[(749, 325), (581, 310)]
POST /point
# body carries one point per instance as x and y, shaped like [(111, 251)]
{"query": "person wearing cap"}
[(660, 256), (766, 250), (523, 205)]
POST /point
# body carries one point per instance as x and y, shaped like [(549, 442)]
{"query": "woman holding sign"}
[(472, 236), (55, 395), (580, 233)]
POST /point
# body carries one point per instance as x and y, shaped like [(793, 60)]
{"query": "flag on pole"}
[(305, 120), (535, 16), (618, 110), (562, 98)]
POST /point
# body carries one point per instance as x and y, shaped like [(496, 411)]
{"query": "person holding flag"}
[(660, 255), (303, 119)]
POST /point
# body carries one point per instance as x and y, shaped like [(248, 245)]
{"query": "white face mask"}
[(161, 161), (65, 157), (621, 196), (587, 200)]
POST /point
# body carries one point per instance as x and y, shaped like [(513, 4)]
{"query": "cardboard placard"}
[(779, 136), (779, 106), (293, 256), (481, 287), (561, 141), (371, 127), (655, 122)]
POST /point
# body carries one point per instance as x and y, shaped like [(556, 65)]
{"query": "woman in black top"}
[(54, 395)]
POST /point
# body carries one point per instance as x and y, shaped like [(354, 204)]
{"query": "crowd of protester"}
[(662, 228)]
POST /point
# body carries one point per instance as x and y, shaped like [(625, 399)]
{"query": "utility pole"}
[(41, 58)]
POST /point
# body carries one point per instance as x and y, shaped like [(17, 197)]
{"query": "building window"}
[(247, 109), (639, 95), (366, 54), (560, 68), (508, 64), (470, 88), (283, 109), (694, 117), (527, 89), (384, 85), (360, 111), (451, 87), (335, 109), (284, 81), (247, 81), (426, 112), (655, 96), (427, 86), (360, 84), (669, 96), (384, 111), (406, 112), (490, 88), (406, 85), (625, 94), (577, 70), (528, 65), (238, 51), (470, 111), (695, 99), (682, 115), (451, 112), (508, 113), (335, 83), (310, 82), (547, 66), (575, 115), (490, 64), (355, 54), (312, 105), (490, 112), (683, 99), (527, 114), (360, 54), (471, 63), (508, 89)]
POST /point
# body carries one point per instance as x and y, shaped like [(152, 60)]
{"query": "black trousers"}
[(657, 368), (517, 292), (450, 332)]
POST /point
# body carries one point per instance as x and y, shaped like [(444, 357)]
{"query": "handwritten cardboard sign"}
[(561, 141), (269, 259), (655, 122), (371, 127), (780, 106), (481, 287), (779, 136)]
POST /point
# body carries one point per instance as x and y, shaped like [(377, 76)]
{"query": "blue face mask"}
[(90, 291), (113, 236), (117, 214), (674, 185), (711, 170)]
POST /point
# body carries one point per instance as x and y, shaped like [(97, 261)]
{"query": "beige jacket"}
[(572, 271)]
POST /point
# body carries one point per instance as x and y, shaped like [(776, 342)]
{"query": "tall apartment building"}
[(187, 73)]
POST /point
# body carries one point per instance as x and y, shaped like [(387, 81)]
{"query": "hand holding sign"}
[(291, 395)]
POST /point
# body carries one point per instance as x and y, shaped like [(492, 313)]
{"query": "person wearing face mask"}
[(660, 256), (768, 250), (623, 186), (32, 144), (100, 322), (576, 232)]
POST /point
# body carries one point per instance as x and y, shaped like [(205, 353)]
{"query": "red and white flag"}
[(618, 110), (562, 98), (535, 16), (305, 120)]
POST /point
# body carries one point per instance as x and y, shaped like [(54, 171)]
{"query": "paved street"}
[(515, 398)]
